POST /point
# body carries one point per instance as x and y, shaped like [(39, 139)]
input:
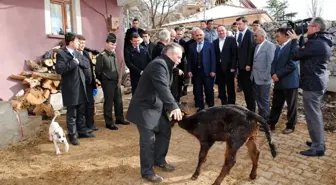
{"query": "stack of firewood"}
[(41, 82)]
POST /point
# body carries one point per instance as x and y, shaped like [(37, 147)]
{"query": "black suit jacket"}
[(157, 50), (227, 59), (153, 94), (90, 70), (183, 65), (136, 62), (246, 50), (128, 36), (149, 48), (73, 78)]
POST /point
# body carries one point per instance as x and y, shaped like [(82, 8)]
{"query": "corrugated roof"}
[(218, 12)]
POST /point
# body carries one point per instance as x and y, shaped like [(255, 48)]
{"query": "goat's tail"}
[(267, 129), (56, 113)]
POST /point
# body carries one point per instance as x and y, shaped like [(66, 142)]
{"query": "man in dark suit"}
[(135, 29), (180, 71), (148, 110), (202, 66), (147, 43), (186, 50), (226, 60), (136, 59), (246, 46), (285, 75), (235, 33), (91, 86), (164, 38), (107, 71), (70, 65)]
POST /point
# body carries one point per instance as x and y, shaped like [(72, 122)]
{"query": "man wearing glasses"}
[(313, 58)]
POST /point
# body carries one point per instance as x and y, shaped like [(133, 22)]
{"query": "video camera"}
[(300, 27)]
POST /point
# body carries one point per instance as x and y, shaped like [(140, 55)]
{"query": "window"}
[(60, 15)]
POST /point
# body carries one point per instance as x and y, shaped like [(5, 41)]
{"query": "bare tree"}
[(315, 8), (159, 10)]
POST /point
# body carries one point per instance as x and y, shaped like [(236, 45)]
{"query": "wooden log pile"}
[(40, 83)]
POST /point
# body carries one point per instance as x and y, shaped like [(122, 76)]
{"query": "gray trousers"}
[(262, 96), (312, 107), (154, 146)]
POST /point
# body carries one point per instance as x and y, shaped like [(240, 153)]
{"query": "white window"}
[(62, 16)]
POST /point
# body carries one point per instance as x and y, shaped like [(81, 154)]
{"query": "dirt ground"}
[(112, 158)]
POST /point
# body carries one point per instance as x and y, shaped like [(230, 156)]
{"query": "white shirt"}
[(260, 46), (70, 50), (284, 44), (199, 46), (221, 43)]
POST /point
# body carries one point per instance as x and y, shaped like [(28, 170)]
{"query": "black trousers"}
[(246, 85), (154, 146), (226, 87), (89, 111), (112, 97), (176, 87), (278, 101), (207, 82), (76, 119)]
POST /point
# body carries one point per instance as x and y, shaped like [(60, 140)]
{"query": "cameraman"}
[(313, 57)]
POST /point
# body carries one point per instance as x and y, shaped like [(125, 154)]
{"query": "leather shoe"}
[(73, 140), (122, 122), (288, 131), (167, 167), (309, 144), (86, 135), (312, 153), (112, 127), (154, 178)]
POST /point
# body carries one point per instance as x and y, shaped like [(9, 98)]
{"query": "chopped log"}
[(53, 67), (53, 90), (48, 62), (17, 104), (48, 109), (46, 93), (26, 73), (38, 110), (32, 82), (17, 77), (35, 67), (56, 83), (47, 76), (49, 84), (35, 96), (54, 61)]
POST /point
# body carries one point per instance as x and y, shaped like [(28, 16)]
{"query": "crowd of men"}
[(160, 74)]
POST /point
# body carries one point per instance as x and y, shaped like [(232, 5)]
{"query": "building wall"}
[(23, 35)]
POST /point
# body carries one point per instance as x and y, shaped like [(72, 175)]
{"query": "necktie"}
[(138, 49), (240, 38), (199, 45)]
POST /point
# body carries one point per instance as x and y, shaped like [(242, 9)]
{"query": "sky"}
[(302, 7)]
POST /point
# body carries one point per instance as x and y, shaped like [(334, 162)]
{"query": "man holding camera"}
[(314, 80)]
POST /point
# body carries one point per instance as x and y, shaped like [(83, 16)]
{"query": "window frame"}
[(76, 19), (63, 4)]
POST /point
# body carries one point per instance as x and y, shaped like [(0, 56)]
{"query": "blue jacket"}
[(313, 61), (285, 68), (209, 58)]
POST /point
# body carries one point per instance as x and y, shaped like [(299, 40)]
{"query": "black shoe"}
[(89, 130), (312, 153), (167, 167), (154, 178), (112, 127), (122, 122), (309, 144), (73, 140), (86, 135)]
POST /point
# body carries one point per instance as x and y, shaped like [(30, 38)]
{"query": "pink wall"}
[(23, 36)]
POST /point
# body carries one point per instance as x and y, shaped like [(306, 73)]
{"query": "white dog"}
[(56, 134)]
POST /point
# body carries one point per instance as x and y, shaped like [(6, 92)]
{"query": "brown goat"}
[(230, 123)]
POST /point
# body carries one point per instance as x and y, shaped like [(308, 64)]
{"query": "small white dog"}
[(56, 134)]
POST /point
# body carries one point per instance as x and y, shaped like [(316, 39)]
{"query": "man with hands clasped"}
[(107, 72)]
